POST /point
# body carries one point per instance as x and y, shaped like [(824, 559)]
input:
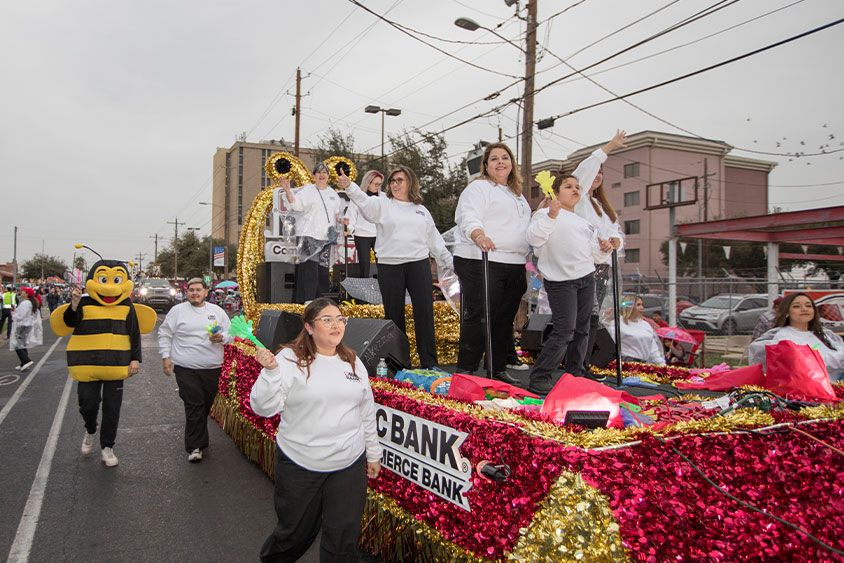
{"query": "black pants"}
[(6, 316), (363, 246), (311, 281), (415, 278), (90, 394), (197, 389), (21, 336), (571, 304), (507, 284), (23, 355), (602, 273), (304, 500)]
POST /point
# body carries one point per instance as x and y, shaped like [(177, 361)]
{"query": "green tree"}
[(746, 258), (43, 264), (193, 257), (441, 182), (335, 143)]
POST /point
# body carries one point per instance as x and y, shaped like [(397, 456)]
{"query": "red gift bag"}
[(797, 370), (472, 388), (572, 393), (750, 375)]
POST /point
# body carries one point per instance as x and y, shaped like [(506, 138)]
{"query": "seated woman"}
[(798, 320), (639, 342)]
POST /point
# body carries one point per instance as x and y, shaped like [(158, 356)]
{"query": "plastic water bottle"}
[(382, 370)]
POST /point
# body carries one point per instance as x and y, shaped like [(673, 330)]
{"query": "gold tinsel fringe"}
[(393, 534), (574, 522), (254, 444)]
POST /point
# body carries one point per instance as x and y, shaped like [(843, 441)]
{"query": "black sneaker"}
[(540, 386), (595, 376), (507, 378)]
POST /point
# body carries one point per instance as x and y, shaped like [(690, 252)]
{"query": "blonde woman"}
[(639, 341), (362, 229)]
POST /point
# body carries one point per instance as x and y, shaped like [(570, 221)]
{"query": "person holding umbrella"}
[(678, 344)]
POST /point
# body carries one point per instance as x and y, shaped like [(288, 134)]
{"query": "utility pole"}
[(42, 258), (176, 224), (140, 258), (15, 259), (700, 256), (298, 110), (530, 75), (156, 247)]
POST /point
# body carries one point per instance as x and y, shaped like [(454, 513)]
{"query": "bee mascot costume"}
[(104, 347)]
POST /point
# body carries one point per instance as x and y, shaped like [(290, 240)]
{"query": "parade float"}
[(679, 478)]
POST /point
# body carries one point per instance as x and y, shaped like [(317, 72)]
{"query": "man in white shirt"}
[(190, 341)]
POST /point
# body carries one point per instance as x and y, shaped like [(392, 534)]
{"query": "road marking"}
[(9, 378), (17, 395), (22, 545)]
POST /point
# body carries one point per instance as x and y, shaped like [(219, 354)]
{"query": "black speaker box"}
[(276, 282), (373, 339), (536, 332), (278, 327), (604, 351)]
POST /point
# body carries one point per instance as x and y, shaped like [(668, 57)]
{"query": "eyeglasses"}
[(397, 180), (332, 321)]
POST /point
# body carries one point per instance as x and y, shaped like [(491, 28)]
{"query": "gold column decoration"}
[(284, 165)]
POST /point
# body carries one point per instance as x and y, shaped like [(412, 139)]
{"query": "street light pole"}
[(530, 74), (211, 242), (383, 112)]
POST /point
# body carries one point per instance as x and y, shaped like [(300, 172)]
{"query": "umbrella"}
[(363, 289), (676, 334), (226, 284)]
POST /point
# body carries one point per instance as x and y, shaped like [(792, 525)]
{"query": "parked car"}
[(157, 293), (654, 302), (726, 313)]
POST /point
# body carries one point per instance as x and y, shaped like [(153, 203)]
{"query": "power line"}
[(699, 71), (432, 46)]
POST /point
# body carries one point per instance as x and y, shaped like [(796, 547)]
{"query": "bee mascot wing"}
[(146, 318), (57, 321)]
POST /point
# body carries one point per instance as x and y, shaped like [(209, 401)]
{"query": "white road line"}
[(22, 545), (8, 406)]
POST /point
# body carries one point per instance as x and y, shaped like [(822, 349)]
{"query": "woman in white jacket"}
[(596, 208), (363, 230), (26, 328), (405, 238)]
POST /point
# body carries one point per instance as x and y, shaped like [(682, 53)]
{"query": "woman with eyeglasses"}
[(319, 210), (405, 238), (326, 444), (492, 216), (596, 208)]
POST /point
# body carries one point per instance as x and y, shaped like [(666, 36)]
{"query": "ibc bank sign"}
[(425, 453)]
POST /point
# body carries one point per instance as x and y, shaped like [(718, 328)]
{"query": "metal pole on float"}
[(487, 307), (616, 317)]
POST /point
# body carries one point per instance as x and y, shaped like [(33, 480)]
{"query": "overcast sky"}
[(112, 110)]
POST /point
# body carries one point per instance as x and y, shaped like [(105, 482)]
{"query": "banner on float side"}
[(219, 255), (425, 453), (281, 249)]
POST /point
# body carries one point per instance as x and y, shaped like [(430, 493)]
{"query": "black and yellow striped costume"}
[(104, 340)]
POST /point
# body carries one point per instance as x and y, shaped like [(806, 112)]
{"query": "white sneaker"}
[(17, 368), (195, 456), (87, 444), (518, 367), (27, 365), (109, 458)]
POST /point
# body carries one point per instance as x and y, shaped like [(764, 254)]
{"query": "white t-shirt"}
[(183, 336), (503, 216), (832, 357), (405, 231), (327, 420), (638, 340), (585, 173), (312, 218), (565, 247), (359, 226)]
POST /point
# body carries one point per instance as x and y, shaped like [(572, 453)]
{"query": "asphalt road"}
[(58, 505)]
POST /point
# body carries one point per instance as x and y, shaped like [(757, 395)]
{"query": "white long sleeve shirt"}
[(503, 216), (359, 226), (832, 357), (183, 336), (565, 246), (405, 231), (585, 173), (639, 340), (312, 218), (23, 315), (327, 420)]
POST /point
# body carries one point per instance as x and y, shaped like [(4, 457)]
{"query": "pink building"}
[(727, 186)]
